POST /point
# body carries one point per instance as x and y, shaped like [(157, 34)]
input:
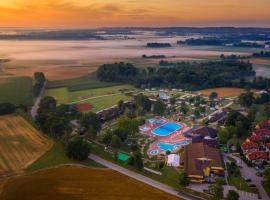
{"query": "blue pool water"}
[(154, 152), (157, 121), (171, 147), (167, 129)]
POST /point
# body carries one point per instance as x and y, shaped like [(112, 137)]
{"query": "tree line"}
[(39, 83), (186, 75)]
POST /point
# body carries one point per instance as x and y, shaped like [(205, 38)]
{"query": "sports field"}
[(20, 143), (223, 92), (17, 90), (100, 98), (77, 183)]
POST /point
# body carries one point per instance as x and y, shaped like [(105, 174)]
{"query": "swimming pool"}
[(170, 147), (156, 121), (153, 152), (167, 129)]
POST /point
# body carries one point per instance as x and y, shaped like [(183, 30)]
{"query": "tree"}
[(184, 109), (216, 190), (143, 102), (51, 120), (121, 105), (246, 99), (78, 149), (7, 108), (91, 122), (266, 180), (39, 83), (232, 195), (159, 107), (183, 179), (173, 100), (213, 95), (47, 104), (197, 112), (138, 160), (107, 137), (223, 135), (115, 141), (266, 111)]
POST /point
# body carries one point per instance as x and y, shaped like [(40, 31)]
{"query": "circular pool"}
[(153, 152)]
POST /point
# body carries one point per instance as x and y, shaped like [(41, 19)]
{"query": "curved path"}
[(143, 179)]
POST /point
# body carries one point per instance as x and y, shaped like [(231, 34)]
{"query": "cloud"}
[(93, 13)]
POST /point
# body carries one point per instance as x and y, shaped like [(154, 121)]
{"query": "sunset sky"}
[(108, 13)]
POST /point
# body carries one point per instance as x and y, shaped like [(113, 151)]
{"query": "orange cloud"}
[(95, 13)]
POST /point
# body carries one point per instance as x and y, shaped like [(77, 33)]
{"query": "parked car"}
[(247, 179), (252, 185)]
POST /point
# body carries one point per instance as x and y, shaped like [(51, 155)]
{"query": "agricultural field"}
[(17, 90), (99, 98), (75, 183), (53, 69), (20, 143), (223, 92)]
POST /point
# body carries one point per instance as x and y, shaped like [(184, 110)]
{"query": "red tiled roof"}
[(247, 145), (257, 155), (268, 145), (264, 125), (263, 132), (255, 138)]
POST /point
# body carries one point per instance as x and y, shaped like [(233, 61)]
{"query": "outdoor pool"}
[(171, 147), (167, 129), (154, 152)]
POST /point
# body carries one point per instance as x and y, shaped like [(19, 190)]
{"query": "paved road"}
[(37, 102), (250, 172), (142, 178)]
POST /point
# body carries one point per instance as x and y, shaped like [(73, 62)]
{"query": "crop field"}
[(77, 183), (53, 69), (16, 90), (20, 143), (223, 92), (100, 98)]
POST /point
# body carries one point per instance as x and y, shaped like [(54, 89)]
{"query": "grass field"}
[(77, 183), (89, 81), (223, 92), (56, 156), (16, 90), (100, 98), (20, 143)]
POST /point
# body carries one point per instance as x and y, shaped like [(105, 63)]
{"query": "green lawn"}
[(57, 156), (17, 90), (240, 184), (62, 95), (169, 175), (106, 102)]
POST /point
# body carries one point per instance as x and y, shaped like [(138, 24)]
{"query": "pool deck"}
[(174, 137)]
